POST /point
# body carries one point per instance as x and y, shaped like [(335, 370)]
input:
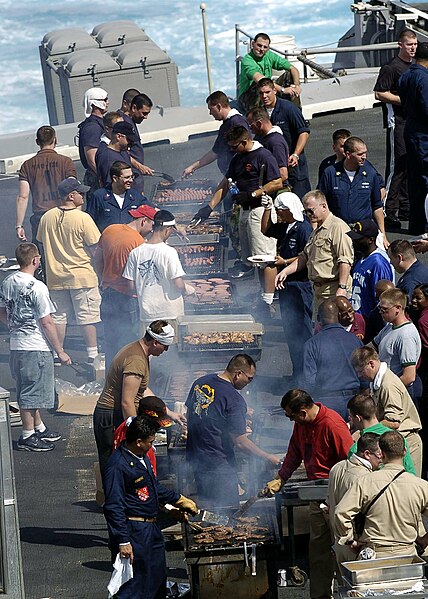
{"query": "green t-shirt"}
[(379, 429), (250, 65)]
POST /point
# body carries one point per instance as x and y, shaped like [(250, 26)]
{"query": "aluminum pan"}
[(384, 569)]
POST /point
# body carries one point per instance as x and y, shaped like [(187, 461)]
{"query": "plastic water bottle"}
[(233, 188)]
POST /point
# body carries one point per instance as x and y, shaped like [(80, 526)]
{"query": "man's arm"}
[(344, 273), (50, 332), (292, 268), (183, 288), (21, 209), (206, 159), (243, 443), (90, 154), (350, 504), (3, 316), (310, 369), (408, 376), (388, 97), (130, 386), (99, 262), (141, 168), (300, 146), (115, 509), (266, 220), (219, 193)]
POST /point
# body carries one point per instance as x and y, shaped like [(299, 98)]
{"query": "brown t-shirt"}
[(44, 172), (131, 359)]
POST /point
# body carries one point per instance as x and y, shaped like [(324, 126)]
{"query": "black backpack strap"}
[(381, 492)]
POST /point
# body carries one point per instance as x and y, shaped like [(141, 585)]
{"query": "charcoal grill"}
[(201, 258), (204, 186), (203, 304), (219, 323), (219, 569)]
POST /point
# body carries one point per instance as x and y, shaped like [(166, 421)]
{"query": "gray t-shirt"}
[(399, 346)]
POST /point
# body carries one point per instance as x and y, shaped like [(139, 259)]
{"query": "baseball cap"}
[(126, 129), (143, 210), (422, 50), (155, 408), (164, 218), (363, 228), (71, 184)]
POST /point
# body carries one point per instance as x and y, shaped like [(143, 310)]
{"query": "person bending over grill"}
[(133, 495), (320, 439), (216, 416)]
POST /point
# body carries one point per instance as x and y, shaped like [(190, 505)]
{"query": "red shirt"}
[(320, 445), (358, 327)]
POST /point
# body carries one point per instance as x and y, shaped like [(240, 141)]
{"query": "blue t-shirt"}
[(221, 147), (277, 146), (90, 132), (104, 158), (216, 410), (244, 169), (291, 241), (417, 274), (366, 273)]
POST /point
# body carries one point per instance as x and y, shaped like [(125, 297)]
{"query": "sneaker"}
[(34, 443), (49, 436)]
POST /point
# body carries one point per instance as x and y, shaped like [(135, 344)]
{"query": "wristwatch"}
[(253, 194), (341, 286)]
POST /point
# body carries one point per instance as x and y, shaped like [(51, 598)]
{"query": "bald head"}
[(383, 285), (328, 313)]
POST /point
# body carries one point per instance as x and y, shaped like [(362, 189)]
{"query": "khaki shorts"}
[(83, 303), (252, 240)]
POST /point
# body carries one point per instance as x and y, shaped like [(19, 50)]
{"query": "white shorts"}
[(83, 303), (252, 240)]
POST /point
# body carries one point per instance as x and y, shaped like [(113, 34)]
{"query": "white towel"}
[(122, 572)]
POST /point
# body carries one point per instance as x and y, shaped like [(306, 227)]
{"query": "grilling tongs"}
[(248, 504)]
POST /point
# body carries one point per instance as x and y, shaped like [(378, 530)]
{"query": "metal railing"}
[(11, 577)]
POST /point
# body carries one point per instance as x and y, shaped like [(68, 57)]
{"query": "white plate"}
[(262, 259)]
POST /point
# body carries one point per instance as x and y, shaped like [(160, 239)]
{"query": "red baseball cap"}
[(143, 210)]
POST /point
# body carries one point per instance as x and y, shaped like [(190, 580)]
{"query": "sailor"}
[(123, 136), (394, 120), (220, 109), (413, 92), (392, 521), (327, 371), (328, 254), (216, 416), (349, 319), (363, 461), (126, 383), (373, 265), (95, 104), (339, 137), (256, 173), (320, 439), (259, 63), (395, 408), (413, 272), (127, 98), (295, 130), (292, 232), (132, 498), (362, 418), (353, 188)]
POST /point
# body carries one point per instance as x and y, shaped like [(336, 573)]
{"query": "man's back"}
[(399, 346), (395, 404), (66, 235), (43, 173), (366, 273), (115, 244), (216, 410), (417, 274)]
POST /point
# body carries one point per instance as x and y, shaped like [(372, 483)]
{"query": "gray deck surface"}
[(63, 532)]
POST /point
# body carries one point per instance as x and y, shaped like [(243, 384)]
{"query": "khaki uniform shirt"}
[(395, 404), (342, 476), (327, 247), (393, 519)]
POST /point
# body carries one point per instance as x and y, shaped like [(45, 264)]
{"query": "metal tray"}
[(177, 241), (203, 185), (212, 260), (214, 305), (384, 569)]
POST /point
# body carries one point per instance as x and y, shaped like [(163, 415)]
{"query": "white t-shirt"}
[(152, 267), (26, 301), (120, 198)]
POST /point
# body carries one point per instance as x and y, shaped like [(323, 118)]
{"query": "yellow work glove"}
[(273, 486), (187, 505)]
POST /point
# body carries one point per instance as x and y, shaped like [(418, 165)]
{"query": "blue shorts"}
[(33, 372)]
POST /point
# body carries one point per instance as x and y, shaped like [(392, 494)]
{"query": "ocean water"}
[(175, 26)]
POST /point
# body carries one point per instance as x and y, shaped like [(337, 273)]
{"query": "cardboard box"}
[(81, 405)]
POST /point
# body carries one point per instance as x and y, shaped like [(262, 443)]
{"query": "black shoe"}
[(243, 273), (34, 443), (49, 436), (392, 223)]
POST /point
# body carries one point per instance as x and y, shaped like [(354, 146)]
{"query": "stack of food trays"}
[(202, 254), (219, 336), (213, 294)]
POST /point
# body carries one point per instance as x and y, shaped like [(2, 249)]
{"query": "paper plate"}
[(262, 259)]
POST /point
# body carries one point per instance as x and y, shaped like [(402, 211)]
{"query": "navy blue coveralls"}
[(328, 374), (132, 490), (105, 210), (413, 92), (290, 119), (351, 201), (90, 132), (296, 299)]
